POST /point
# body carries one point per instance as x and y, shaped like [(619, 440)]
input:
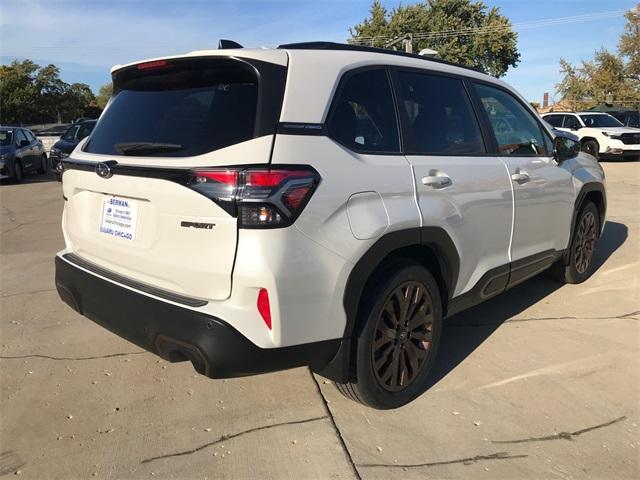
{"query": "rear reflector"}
[(263, 306)]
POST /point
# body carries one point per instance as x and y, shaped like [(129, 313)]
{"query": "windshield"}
[(600, 121), (6, 137), (179, 111), (71, 132)]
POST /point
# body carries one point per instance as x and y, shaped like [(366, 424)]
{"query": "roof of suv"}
[(318, 66)]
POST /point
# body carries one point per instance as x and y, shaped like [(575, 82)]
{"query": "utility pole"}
[(406, 40)]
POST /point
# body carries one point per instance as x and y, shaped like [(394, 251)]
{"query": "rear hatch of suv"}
[(148, 196)]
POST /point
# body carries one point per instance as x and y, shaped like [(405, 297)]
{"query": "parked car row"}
[(68, 141), (21, 152), (601, 135)]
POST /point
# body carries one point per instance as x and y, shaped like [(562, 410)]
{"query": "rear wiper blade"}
[(141, 148)]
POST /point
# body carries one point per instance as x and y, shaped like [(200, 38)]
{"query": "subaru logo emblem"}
[(104, 170)]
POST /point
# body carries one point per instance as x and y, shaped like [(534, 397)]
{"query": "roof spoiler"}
[(225, 44)]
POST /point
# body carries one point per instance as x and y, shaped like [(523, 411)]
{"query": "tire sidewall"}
[(18, 174), (375, 394), (594, 146), (574, 275)]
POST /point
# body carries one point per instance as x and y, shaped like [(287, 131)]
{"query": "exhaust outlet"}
[(175, 351)]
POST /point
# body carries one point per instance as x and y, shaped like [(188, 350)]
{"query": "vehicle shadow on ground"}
[(466, 331), (31, 178)]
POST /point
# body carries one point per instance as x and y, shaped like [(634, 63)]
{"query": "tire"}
[(582, 249), (18, 172), (404, 355), (592, 148), (44, 165)]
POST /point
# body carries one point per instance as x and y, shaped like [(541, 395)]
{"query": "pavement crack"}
[(28, 293), (630, 315), (464, 461), (562, 435), (347, 453), (233, 435), (49, 357)]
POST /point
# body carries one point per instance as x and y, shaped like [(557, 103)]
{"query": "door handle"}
[(520, 177), (437, 181)]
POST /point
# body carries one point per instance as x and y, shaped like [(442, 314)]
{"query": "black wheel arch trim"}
[(586, 189), (434, 238)]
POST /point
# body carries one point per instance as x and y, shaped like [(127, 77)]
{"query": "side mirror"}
[(565, 148), (576, 127), (24, 143)]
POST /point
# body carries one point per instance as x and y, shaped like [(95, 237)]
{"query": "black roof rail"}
[(361, 48)]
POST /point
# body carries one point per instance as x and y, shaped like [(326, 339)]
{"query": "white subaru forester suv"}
[(601, 135), (316, 204)]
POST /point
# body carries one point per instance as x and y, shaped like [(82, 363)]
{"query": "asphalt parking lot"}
[(541, 382)]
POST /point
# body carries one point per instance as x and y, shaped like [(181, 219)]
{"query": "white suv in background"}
[(316, 204), (601, 135)]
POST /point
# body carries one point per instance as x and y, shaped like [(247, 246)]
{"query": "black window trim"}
[(336, 95), (395, 70), (543, 129)]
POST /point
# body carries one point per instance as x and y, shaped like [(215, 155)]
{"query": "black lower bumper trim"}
[(174, 297), (215, 348)]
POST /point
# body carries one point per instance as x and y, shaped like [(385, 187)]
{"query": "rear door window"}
[(554, 120), (178, 109), (363, 116), (438, 116)]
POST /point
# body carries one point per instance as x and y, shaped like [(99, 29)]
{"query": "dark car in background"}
[(629, 118), (20, 153), (69, 139)]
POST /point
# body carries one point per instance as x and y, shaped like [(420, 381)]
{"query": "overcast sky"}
[(85, 38)]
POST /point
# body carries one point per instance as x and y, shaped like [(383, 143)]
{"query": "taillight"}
[(260, 197)]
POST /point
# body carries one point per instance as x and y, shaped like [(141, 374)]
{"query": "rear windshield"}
[(178, 109)]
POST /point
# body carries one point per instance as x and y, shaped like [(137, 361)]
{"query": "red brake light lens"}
[(264, 307), (270, 178), (259, 197), (154, 65)]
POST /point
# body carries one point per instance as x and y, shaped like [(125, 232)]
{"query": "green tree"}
[(33, 94), (629, 45), (76, 100), (463, 31), (606, 75), (104, 94), (18, 93)]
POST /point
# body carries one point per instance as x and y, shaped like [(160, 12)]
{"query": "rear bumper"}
[(175, 333)]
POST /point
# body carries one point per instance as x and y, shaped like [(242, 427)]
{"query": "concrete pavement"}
[(541, 382)]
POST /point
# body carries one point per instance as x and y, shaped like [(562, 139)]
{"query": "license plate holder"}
[(119, 218)]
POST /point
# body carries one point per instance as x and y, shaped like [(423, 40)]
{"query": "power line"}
[(553, 21), (496, 28)]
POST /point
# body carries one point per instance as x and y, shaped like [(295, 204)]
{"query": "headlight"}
[(54, 151)]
